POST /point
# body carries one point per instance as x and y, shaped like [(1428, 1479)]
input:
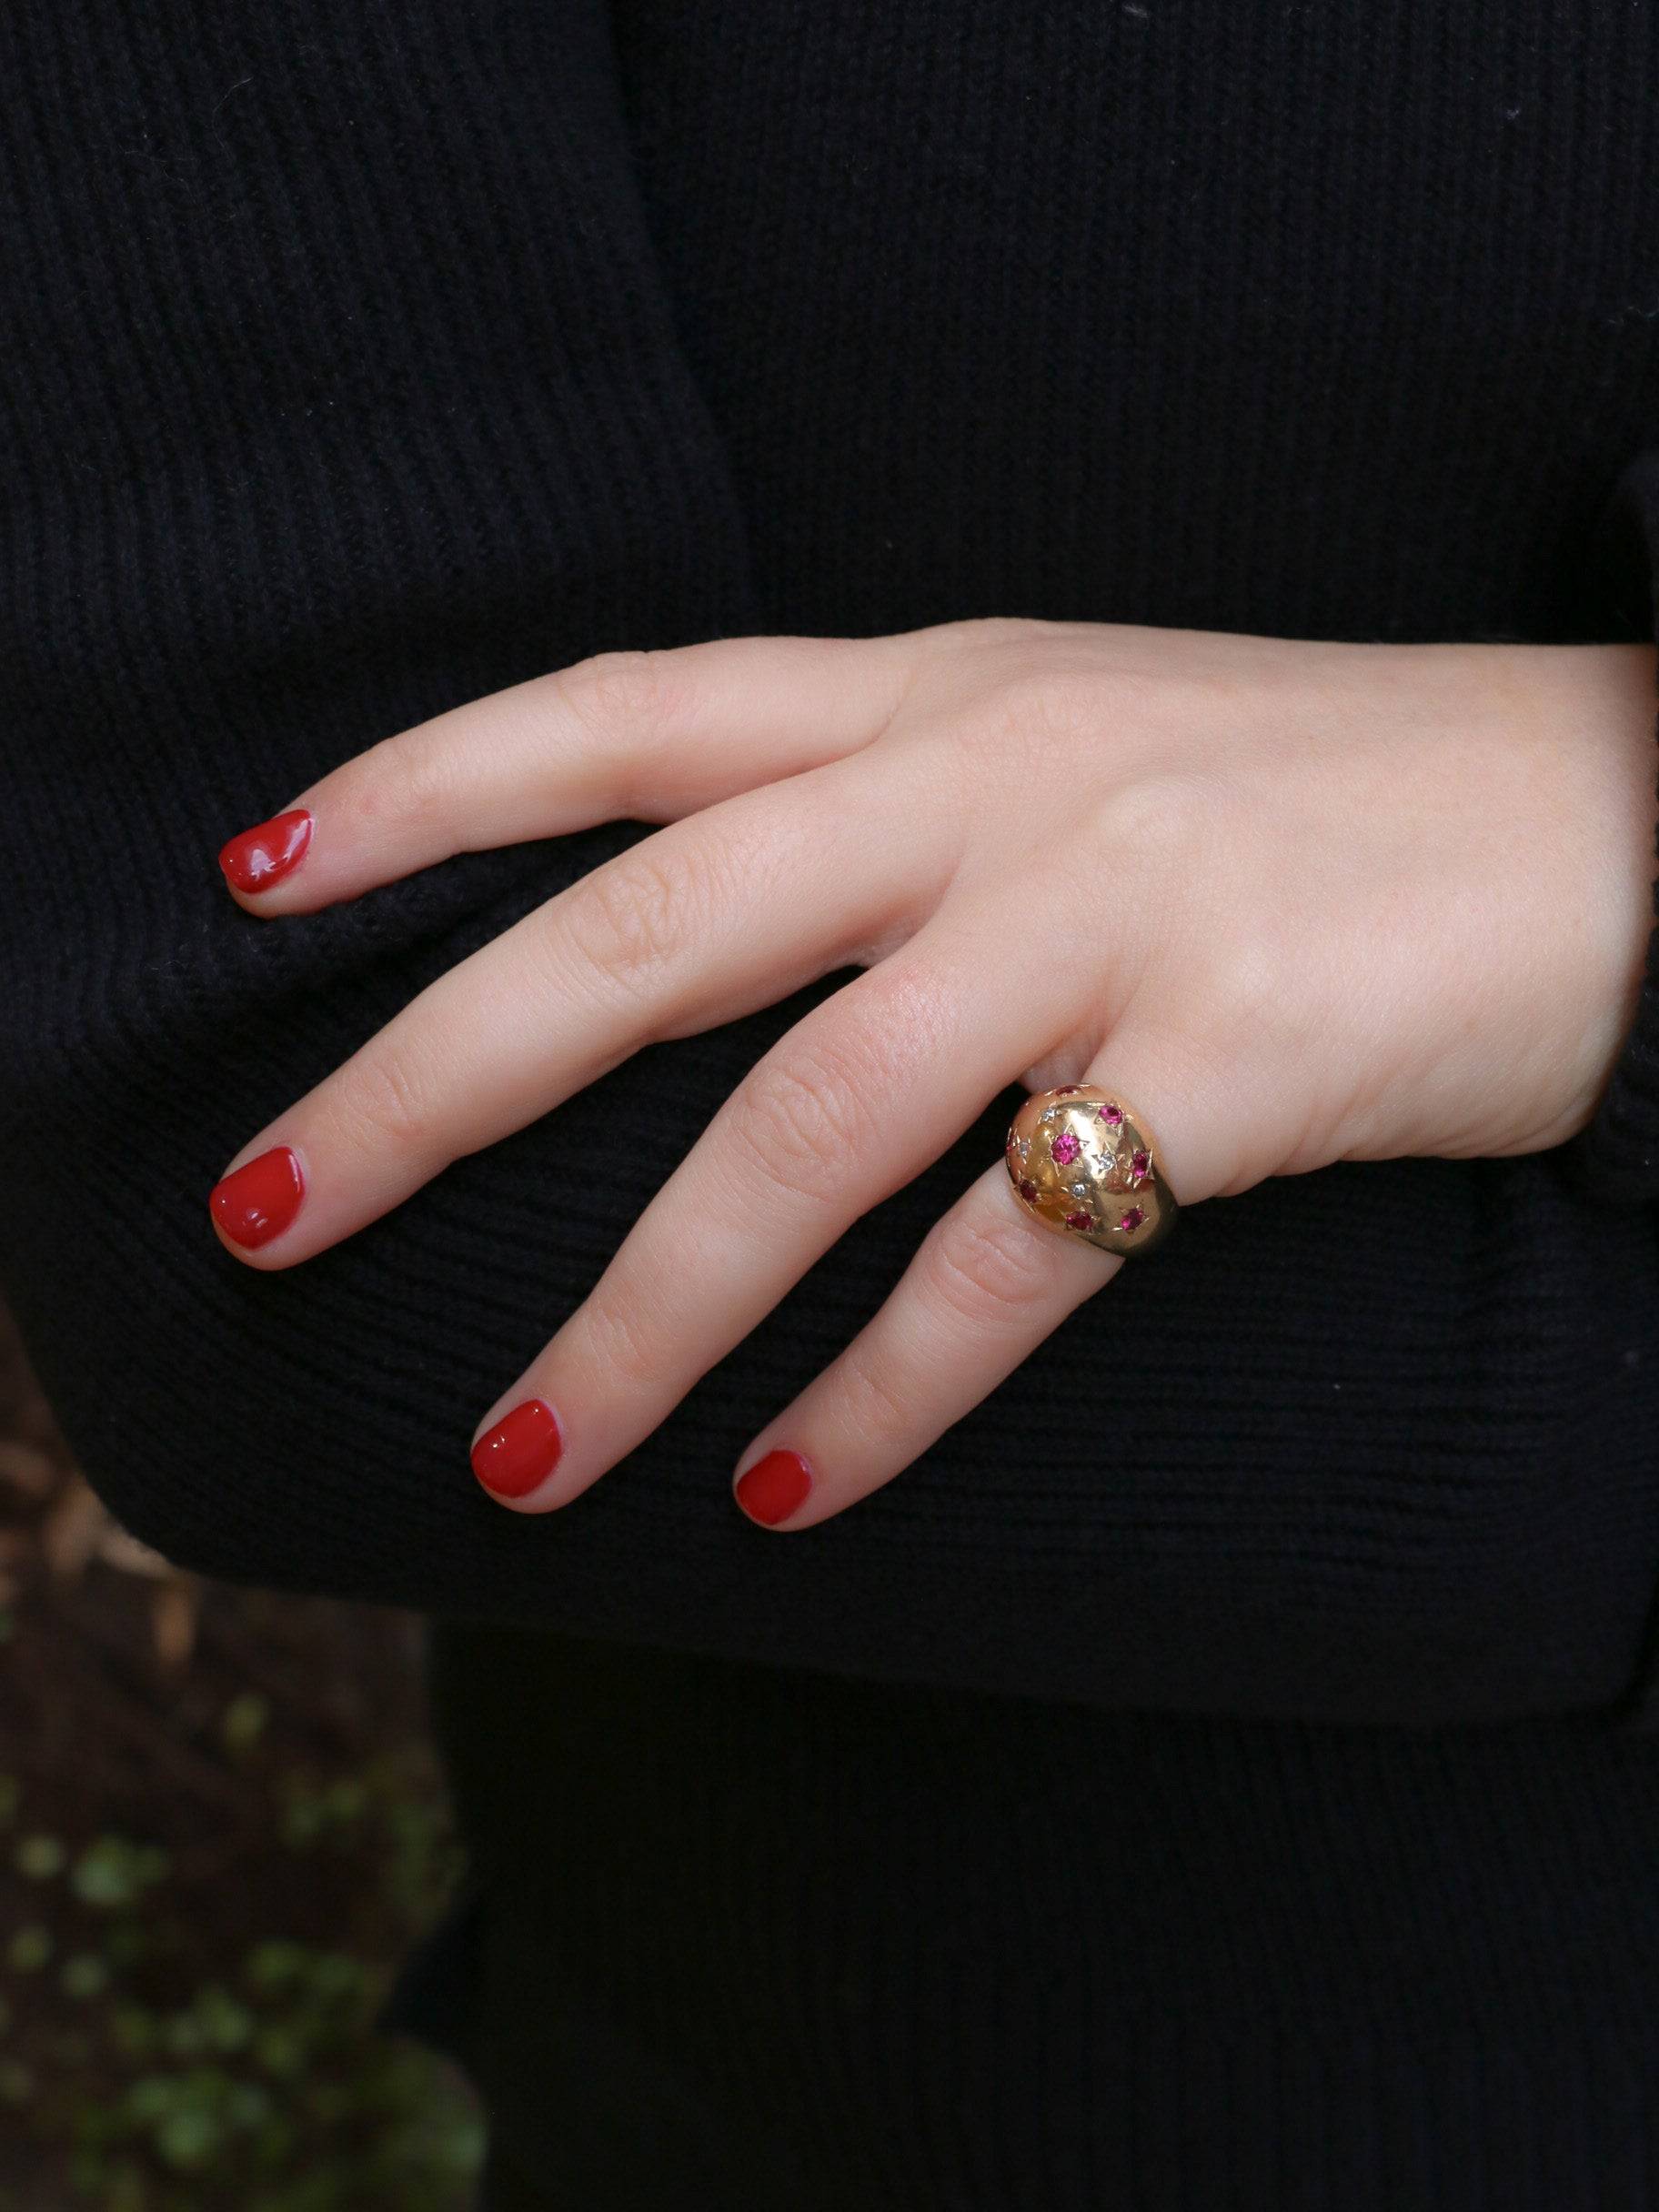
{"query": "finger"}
[(988, 1285), (696, 924), (862, 1094), (638, 736)]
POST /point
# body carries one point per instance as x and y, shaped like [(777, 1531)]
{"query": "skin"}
[(1296, 902)]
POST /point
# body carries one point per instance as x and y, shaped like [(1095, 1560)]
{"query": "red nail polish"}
[(774, 1487), (520, 1451), (256, 1201), (263, 855)]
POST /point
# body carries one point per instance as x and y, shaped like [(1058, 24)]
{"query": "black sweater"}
[(362, 360)]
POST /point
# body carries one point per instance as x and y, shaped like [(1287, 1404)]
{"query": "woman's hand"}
[(1297, 902)]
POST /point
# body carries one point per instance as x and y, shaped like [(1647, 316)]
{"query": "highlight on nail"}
[(254, 860), (260, 1200), (776, 1486), (521, 1451)]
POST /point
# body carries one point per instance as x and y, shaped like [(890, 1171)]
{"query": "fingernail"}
[(263, 855), (257, 1200), (774, 1487), (520, 1451)]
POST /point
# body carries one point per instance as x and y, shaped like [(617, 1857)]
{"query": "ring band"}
[(1083, 1163)]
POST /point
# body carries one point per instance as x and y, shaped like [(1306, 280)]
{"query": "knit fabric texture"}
[(361, 361), (769, 1940)]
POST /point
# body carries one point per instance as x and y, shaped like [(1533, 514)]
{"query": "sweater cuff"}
[(1614, 1159)]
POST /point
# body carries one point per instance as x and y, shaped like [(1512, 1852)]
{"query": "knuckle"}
[(800, 1120), (386, 1108), (631, 919), (425, 780), (871, 1408), (1018, 631), (1153, 838), (407, 781), (1029, 712), (620, 1344), (984, 1269), (1165, 815), (1052, 701), (629, 695)]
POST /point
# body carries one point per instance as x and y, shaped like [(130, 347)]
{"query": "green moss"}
[(179, 2063), (29, 1948), (39, 1857)]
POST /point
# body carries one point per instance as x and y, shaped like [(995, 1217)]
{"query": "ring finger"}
[(987, 1286)]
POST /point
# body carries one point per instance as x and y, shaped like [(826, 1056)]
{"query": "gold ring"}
[(1083, 1163)]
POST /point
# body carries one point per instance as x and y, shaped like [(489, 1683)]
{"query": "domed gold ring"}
[(1083, 1163)]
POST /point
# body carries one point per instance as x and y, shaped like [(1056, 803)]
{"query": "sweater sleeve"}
[(1615, 1160), (342, 387)]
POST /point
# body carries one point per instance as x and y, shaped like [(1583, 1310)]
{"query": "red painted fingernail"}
[(256, 1201), (520, 1451), (263, 855), (774, 1487)]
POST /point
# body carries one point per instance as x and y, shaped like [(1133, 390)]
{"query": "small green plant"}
[(171, 2078)]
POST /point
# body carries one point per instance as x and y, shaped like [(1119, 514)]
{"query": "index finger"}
[(646, 736)]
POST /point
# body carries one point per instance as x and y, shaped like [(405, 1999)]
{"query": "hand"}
[(1297, 902)]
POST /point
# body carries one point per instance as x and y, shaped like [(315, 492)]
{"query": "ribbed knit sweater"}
[(362, 360)]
